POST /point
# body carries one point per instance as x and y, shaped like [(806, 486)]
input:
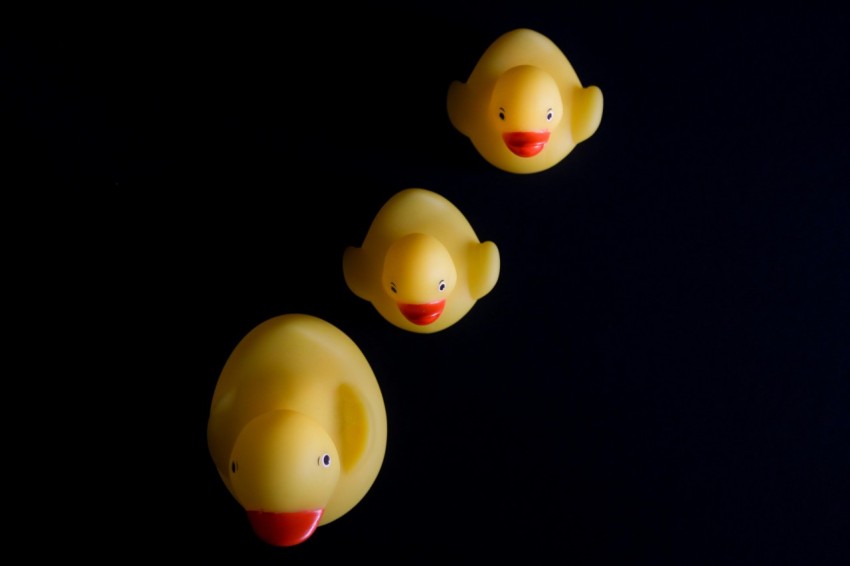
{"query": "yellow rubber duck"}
[(523, 106), (297, 427), (421, 264)]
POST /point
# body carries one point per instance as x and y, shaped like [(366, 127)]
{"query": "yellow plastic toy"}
[(298, 427), (523, 106), (421, 264)]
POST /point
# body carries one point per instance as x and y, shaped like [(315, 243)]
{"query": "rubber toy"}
[(523, 106), (297, 427), (421, 264)]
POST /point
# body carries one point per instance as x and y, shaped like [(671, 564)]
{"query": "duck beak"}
[(423, 313), (526, 144), (285, 529)]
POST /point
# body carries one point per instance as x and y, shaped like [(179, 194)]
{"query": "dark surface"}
[(661, 374)]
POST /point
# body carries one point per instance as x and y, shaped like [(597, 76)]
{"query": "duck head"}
[(525, 108), (418, 275), (283, 470)]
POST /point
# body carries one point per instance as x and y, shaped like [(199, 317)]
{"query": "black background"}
[(660, 375)]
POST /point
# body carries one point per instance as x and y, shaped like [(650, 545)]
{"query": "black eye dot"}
[(549, 115), (325, 460), (392, 288), (234, 466), (501, 115), (442, 286)]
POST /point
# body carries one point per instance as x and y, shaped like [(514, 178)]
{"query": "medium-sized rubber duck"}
[(297, 427), (421, 264), (523, 106)]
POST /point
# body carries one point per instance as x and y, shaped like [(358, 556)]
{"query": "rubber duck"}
[(421, 264), (297, 427), (523, 106)]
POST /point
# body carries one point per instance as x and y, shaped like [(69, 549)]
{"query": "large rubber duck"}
[(297, 427), (421, 264), (523, 106)]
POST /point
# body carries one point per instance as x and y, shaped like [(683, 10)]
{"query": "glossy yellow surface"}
[(297, 426), (523, 106), (421, 264)]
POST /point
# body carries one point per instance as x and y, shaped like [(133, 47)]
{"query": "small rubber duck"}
[(297, 427), (523, 106), (421, 264)]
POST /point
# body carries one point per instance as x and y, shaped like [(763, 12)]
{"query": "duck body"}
[(421, 264), (297, 426), (523, 106)]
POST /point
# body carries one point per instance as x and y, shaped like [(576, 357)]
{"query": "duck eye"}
[(550, 115), (502, 114), (393, 288), (442, 285), (234, 467), (325, 460)]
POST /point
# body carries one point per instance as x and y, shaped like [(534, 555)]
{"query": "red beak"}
[(285, 529), (526, 144), (424, 313)]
